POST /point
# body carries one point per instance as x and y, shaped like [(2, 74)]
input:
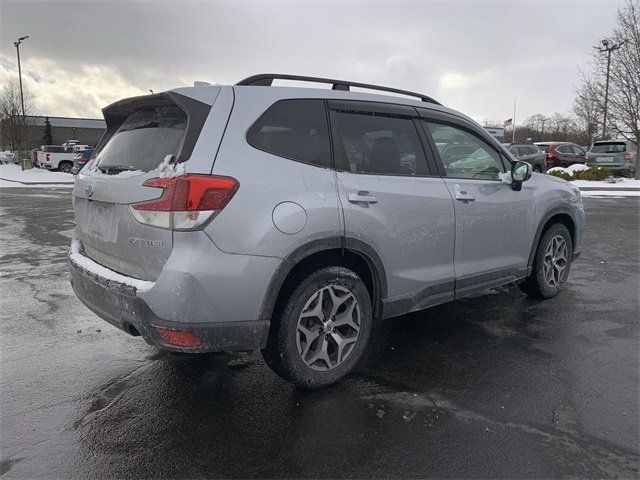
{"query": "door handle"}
[(463, 196), (362, 197)]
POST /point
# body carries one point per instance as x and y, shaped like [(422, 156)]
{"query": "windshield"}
[(144, 139), (612, 147)]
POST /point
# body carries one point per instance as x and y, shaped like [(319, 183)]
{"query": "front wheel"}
[(323, 329), (537, 169), (551, 264)]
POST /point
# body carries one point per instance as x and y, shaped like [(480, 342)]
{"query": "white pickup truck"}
[(55, 157)]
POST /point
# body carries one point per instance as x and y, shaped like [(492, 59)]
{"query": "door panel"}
[(494, 223), (410, 225), (391, 204), (493, 227)]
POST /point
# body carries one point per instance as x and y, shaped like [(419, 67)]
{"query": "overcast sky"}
[(474, 56)]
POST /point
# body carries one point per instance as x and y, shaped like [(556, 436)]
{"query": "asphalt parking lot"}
[(495, 386)]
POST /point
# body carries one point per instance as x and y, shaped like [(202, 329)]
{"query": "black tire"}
[(564, 165), (282, 354), (537, 169), (536, 286), (65, 167)]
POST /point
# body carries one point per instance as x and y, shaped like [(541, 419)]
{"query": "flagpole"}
[(513, 138)]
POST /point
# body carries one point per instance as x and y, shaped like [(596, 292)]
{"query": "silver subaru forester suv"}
[(248, 216)]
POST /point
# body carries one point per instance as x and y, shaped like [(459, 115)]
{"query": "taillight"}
[(46, 157), (551, 153), (586, 156), (187, 202), (628, 156)]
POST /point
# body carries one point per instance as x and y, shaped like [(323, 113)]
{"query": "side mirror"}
[(521, 172)]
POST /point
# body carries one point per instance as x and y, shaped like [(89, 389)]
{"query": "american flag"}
[(508, 121)]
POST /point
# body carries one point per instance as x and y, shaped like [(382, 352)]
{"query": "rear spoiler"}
[(195, 111)]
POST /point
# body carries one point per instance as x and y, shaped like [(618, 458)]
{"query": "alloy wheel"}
[(555, 261), (328, 327)]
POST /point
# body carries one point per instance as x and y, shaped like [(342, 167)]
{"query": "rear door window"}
[(144, 139), (377, 143), (294, 129), (577, 150)]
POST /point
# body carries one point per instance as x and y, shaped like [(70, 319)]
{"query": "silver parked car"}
[(530, 154), (247, 216)]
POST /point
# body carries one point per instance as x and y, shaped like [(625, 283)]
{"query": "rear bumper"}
[(121, 306)]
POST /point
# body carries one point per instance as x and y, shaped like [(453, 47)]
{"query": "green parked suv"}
[(619, 156)]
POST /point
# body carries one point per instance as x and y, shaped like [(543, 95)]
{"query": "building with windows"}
[(87, 131)]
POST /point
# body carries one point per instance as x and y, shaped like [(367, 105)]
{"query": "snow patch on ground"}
[(610, 193), (621, 183), (89, 265), (14, 176)]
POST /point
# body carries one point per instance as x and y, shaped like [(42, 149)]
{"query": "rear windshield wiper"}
[(115, 170)]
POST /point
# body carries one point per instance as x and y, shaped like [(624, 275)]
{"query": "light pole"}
[(608, 47), (17, 45)]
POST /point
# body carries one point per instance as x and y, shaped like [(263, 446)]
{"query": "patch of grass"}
[(562, 175), (592, 173)]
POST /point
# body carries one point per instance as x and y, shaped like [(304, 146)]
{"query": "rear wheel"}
[(65, 167), (564, 165), (536, 168), (323, 329), (551, 264)]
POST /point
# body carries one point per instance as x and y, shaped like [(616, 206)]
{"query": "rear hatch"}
[(142, 133), (609, 154)]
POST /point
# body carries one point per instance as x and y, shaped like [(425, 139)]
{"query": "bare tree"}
[(12, 123), (587, 112), (623, 112)]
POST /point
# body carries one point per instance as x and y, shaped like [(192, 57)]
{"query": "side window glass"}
[(295, 129), (563, 149), (377, 144), (578, 150), (465, 155)]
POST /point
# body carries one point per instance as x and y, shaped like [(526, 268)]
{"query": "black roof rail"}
[(266, 79)]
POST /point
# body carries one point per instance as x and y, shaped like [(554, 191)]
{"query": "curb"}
[(609, 189), (38, 183)]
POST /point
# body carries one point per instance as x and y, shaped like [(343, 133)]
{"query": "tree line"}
[(585, 123)]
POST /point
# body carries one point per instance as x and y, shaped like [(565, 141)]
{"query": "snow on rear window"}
[(144, 139)]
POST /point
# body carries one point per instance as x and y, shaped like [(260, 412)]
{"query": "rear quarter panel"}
[(246, 225)]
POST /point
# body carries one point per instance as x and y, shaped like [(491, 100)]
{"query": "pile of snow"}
[(569, 170), (14, 176), (94, 172)]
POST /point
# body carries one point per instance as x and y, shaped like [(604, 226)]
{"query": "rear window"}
[(54, 149), (294, 129), (612, 147), (144, 139)]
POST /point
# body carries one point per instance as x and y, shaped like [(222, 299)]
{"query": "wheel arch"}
[(562, 215), (350, 253)]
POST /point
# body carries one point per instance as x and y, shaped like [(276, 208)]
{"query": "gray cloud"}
[(473, 56)]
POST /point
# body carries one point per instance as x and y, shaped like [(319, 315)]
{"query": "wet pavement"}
[(494, 386)]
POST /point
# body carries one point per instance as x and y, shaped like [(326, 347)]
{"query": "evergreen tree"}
[(47, 137)]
